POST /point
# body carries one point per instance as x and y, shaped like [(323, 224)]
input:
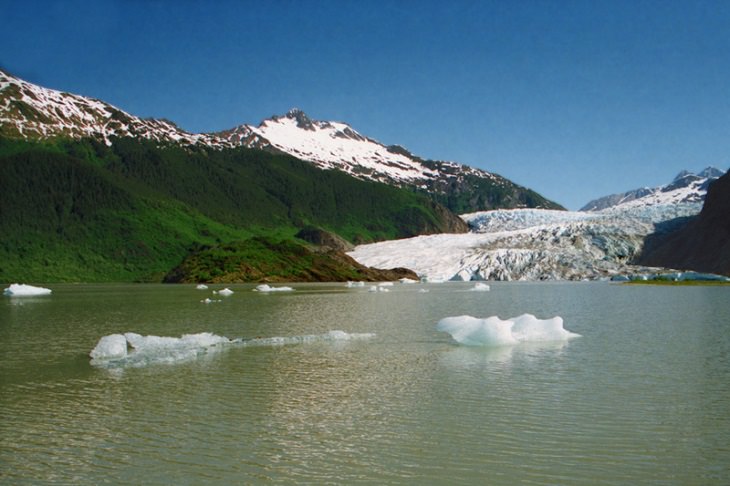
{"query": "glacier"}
[(531, 244)]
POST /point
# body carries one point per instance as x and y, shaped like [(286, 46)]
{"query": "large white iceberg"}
[(22, 290), (493, 331)]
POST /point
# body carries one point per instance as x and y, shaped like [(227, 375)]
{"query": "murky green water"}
[(643, 397)]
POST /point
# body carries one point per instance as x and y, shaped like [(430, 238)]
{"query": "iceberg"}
[(22, 290), (268, 288), (480, 287), (201, 287), (493, 331), (131, 349), (225, 292), (134, 350)]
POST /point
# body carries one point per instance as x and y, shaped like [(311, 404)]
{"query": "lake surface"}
[(642, 397)]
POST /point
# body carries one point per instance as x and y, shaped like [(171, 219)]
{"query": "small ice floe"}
[(201, 287), (408, 281), (480, 287), (135, 350), (23, 290), (378, 288), (225, 292), (268, 288), (355, 284), (493, 331), (386, 284), (423, 291), (210, 301)]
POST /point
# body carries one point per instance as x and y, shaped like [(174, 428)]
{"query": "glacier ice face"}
[(493, 331), (529, 244)]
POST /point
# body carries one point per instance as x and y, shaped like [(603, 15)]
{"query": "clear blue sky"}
[(575, 99)]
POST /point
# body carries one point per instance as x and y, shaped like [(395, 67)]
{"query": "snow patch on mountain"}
[(36, 112)]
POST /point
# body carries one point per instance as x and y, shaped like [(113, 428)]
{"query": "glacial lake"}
[(642, 397)]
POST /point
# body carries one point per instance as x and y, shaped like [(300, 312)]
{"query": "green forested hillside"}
[(83, 211)]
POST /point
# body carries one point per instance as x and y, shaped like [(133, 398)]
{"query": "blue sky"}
[(575, 99)]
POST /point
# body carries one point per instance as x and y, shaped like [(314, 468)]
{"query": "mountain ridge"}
[(32, 112), (686, 187)]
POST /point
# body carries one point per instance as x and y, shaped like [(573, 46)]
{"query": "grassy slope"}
[(81, 211)]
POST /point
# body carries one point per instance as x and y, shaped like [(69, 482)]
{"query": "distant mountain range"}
[(686, 187), (92, 193), (32, 112)]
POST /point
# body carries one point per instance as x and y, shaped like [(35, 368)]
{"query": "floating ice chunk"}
[(493, 331), (385, 284), (133, 349), (355, 284), (480, 287), (424, 291), (113, 346), (268, 288), (225, 292), (373, 288), (209, 301), (406, 280), (23, 290), (201, 287)]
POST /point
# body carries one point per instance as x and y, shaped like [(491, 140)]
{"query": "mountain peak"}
[(303, 121), (682, 174)]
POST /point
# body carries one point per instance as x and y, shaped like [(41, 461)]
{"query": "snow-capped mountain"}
[(530, 244), (686, 187), (336, 145), (32, 112)]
